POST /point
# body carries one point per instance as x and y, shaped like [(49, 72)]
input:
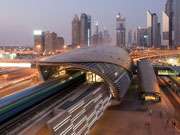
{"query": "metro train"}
[(16, 103), (148, 85)]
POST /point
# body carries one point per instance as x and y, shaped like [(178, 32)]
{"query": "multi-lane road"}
[(13, 80)]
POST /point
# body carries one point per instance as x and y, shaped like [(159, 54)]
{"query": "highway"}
[(13, 75), (9, 70), (19, 86)]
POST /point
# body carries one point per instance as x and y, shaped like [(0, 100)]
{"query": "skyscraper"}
[(95, 36), (75, 31), (142, 37), (168, 7), (159, 34), (107, 38), (168, 12), (38, 41), (120, 31), (129, 36), (47, 42), (149, 26), (60, 43), (84, 30), (135, 36), (153, 30), (165, 29), (89, 29), (100, 38), (50, 41), (96, 27), (176, 22)]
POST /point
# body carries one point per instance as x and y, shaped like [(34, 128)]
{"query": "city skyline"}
[(20, 18)]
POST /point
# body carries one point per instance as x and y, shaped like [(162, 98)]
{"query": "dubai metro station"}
[(106, 75)]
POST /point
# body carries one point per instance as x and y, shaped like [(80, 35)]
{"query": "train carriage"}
[(148, 85)]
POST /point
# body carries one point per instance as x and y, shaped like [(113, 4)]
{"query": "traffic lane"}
[(9, 70), (18, 74), (18, 87)]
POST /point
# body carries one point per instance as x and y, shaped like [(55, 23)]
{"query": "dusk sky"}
[(18, 18)]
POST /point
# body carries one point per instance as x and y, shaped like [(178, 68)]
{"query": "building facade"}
[(154, 37), (165, 29), (60, 43), (81, 31), (169, 13), (101, 37), (129, 37), (47, 43), (50, 42), (142, 37), (75, 31), (176, 23), (38, 42), (120, 31), (95, 36), (84, 30), (89, 29), (107, 38)]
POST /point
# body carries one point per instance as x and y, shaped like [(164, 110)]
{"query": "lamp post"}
[(78, 47)]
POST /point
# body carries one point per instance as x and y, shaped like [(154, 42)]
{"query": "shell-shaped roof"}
[(101, 53)]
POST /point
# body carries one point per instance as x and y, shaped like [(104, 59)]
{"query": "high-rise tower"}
[(176, 22), (129, 36), (168, 7), (120, 31), (165, 29), (89, 29), (39, 42), (84, 30), (75, 31), (168, 13), (153, 30)]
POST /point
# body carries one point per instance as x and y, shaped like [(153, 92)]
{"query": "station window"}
[(92, 77), (167, 72)]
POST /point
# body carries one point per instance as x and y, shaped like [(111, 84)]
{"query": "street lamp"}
[(78, 47), (65, 46), (38, 47)]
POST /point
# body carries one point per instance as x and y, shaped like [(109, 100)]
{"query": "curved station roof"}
[(112, 63)]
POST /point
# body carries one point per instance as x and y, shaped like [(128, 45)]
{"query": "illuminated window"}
[(92, 77)]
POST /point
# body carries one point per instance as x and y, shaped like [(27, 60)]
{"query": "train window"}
[(150, 98)]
